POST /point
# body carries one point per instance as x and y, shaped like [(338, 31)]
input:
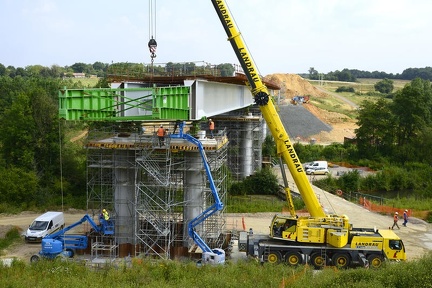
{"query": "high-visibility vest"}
[(211, 125), (161, 132), (396, 218)]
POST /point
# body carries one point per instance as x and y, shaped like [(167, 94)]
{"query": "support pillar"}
[(194, 196), (124, 195), (246, 165)]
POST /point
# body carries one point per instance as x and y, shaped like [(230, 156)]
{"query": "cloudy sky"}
[(283, 36)]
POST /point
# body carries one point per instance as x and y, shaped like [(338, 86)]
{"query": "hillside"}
[(340, 125)]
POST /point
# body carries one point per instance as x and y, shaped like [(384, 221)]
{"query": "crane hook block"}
[(152, 44)]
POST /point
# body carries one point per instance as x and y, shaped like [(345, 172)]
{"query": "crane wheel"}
[(274, 257), (375, 261), (293, 258), (317, 260), (341, 260)]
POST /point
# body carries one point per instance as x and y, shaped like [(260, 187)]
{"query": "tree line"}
[(99, 69), (351, 75)]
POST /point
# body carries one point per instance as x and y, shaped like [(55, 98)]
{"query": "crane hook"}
[(152, 44)]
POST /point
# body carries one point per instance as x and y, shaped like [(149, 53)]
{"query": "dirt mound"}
[(294, 85)]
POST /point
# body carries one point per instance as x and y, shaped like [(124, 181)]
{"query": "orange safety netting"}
[(381, 208)]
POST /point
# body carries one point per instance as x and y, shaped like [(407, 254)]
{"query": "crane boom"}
[(261, 96)]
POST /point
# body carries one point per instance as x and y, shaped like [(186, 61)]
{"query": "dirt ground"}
[(417, 236), (24, 251)]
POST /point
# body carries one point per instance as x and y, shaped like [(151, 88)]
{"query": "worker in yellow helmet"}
[(105, 214)]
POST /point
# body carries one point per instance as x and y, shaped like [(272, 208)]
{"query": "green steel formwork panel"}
[(78, 104), (171, 103), (168, 103)]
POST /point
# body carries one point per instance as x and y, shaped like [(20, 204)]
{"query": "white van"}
[(43, 225), (316, 164), (316, 167)]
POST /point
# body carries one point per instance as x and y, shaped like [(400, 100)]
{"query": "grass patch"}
[(12, 236), (254, 204), (85, 82), (245, 273), (260, 203)]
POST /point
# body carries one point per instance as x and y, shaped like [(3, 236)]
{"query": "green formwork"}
[(108, 104), (171, 103)]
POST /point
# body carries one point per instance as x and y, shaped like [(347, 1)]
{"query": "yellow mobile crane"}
[(319, 239)]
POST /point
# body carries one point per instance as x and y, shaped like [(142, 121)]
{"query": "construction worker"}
[(161, 135), (105, 214), (395, 220), (405, 217), (211, 127)]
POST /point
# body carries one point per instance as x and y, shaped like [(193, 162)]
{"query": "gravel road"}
[(299, 122)]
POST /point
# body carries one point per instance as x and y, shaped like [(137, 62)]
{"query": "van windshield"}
[(39, 225)]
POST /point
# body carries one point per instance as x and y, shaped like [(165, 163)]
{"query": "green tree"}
[(313, 74), (2, 70), (18, 187), (226, 69), (269, 147), (412, 106), (384, 86), (79, 67), (376, 132), (17, 134), (263, 182)]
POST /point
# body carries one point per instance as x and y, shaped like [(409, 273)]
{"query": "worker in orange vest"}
[(395, 220), (161, 135), (211, 127)]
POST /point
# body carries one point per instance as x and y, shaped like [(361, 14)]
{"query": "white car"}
[(317, 171)]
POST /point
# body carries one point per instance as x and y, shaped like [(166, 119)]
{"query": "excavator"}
[(318, 239)]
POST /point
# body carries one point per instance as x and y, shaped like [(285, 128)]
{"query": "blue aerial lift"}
[(64, 245), (216, 255)]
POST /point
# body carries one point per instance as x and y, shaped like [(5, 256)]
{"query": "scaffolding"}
[(149, 190), (246, 133)]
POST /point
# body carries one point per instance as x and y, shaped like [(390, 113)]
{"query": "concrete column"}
[(194, 196), (246, 151), (124, 195)]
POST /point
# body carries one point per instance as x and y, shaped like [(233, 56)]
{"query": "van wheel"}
[(35, 258)]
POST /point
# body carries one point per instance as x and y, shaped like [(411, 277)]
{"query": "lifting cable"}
[(152, 45)]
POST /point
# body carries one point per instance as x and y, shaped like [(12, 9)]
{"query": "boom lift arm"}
[(62, 244), (217, 254), (261, 96), (104, 228)]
